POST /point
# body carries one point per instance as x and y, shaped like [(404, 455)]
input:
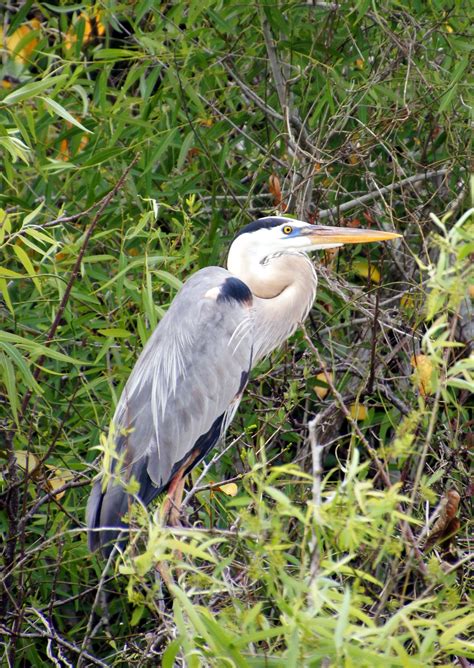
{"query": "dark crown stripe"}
[(262, 223)]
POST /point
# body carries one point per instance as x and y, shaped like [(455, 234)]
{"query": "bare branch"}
[(380, 192)]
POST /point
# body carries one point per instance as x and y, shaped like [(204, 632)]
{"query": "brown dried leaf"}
[(330, 256), (353, 222), (447, 523), (275, 188)]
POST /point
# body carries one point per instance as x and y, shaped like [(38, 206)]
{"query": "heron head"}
[(277, 235)]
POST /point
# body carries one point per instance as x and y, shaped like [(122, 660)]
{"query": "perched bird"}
[(188, 381)]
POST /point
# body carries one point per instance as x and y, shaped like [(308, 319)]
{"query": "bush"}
[(135, 139)]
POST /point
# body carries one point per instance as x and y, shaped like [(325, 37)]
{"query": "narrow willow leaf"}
[(116, 332), (22, 367), (33, 89), (342, 620), (170, 654), (6, 294), (33, 214), (28, 265), (168, 278), (8, 375), (38, 349), (61, 111), (9, 273)]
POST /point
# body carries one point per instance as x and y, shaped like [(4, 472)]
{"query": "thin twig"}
[(380, 192), (380, 468), (72, 279), (12, 465), (406, 529), (317, 470)]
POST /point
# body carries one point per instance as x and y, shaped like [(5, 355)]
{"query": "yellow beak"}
[(322, 234)]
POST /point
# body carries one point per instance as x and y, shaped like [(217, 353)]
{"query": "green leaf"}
[(33, 89), (9, 273), (183, 152), (452, 88), (342, 620), (8, 375), (170, 654), (63, 113), (168, 278), (6, 294), (39, 349), (115, 332), (33, 214), (117, 54), (137, 615), (22, 367)]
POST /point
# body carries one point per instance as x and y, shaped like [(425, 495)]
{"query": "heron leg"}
[(174, 497)]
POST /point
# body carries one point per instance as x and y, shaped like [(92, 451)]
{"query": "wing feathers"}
[(184, 388)]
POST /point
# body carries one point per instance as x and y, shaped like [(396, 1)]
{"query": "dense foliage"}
[(135, 138)]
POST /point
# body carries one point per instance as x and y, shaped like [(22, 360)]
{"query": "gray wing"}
[(183, 390)]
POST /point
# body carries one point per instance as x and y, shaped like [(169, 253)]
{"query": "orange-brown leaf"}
[(275, 188), (447, 523)]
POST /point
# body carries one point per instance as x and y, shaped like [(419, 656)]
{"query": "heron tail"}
[(104, 516)]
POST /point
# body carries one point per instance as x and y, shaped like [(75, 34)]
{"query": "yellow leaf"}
[(407, 302), (423, 374), (60, 478), (19, 36), (321, 391), (93, 27), (361, 268), (229, 488), (471, 291), (22, 256), (358, 411), (26, 460)]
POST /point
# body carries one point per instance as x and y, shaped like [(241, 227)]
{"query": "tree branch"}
[(380, 192)]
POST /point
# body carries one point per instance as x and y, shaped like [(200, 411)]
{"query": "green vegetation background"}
[(350, 548)]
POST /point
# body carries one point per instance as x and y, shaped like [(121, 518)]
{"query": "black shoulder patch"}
[(266, 223), (235, 289)]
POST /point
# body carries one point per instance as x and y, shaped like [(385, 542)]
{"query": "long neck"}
[(284, 288)]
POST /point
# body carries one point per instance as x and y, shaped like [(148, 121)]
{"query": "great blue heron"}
[(188, 381)]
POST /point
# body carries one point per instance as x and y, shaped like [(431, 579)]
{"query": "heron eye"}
[(287, 229)]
